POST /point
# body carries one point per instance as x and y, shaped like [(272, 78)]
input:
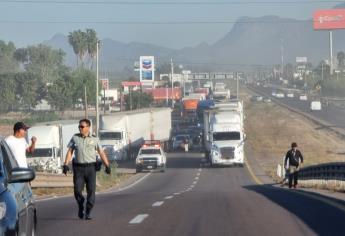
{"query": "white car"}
[(150, 156), (274, 94), (303, 97), (315, 106), (280, 95), (290, 95)]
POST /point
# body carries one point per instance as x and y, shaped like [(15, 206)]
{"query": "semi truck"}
[(122, 134), (224, 134), (51, 145), (220, 91)]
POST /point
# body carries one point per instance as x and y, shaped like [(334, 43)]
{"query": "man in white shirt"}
[(19, 145)]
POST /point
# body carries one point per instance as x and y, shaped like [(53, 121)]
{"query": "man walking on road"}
[(295, 158), (18, 144), (84, 166)]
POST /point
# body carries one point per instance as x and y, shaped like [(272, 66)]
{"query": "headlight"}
[(139, 160), (2, 210)]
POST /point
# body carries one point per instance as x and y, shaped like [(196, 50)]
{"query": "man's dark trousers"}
[(293, 174), (84, 174)]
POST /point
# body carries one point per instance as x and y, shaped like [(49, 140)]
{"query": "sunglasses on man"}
[(82, 127)]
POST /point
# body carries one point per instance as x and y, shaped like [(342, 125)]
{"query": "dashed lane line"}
[(157, 204), (138, 219), (169, 197)]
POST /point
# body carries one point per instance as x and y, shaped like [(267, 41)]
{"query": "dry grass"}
[(271, 129), (104, 182)]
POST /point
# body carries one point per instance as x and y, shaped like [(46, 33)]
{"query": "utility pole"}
[(331, 52), (85, 101), (172, 83), (282, 56), (237, 86), (322, 70), (97, 111)]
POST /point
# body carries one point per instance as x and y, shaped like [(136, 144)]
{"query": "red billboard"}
[(329, 19)]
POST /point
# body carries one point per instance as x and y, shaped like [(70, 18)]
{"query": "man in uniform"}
[(295, 159), (84, 166)]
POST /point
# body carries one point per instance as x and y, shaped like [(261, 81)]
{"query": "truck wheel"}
[(138, 170)]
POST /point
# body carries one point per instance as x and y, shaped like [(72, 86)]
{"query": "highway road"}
[(192, 200), (332, 115)]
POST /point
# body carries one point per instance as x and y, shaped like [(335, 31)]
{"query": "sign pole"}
[(331, 52)]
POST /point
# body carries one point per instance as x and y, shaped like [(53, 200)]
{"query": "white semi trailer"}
[(51, 146), (122, 134), (224, 135)]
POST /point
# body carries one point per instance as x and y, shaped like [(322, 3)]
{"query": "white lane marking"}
[(194, 182), (99, 193), (200, 169), (168, 197), (157, 204), (131, 185), (177, 193), (196, 178), (192, 186), (138, 219), (198, 174)]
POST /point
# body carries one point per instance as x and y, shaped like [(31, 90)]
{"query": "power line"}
[(168, 2), (158, 22)]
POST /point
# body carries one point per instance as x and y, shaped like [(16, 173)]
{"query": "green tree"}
[(78, 40), (8, 62), (84, 78), (28, 88), (60, 92), (341, 59), (91, 45), (7, 92), (138, 100), (41, 60)]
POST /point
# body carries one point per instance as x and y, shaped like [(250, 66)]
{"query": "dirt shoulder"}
[(271, 129)]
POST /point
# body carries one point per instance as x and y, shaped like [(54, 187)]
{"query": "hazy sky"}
[(173, 36)]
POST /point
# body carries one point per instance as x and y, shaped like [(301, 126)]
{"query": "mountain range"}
[(251, 41)]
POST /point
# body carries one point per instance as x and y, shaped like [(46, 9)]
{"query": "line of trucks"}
[(122, 134)]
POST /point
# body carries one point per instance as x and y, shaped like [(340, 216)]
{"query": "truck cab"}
[(113, 143), (151, 156), (223, 134)]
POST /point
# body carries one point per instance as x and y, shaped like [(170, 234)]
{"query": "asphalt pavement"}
[(191, 198), (334, 116)]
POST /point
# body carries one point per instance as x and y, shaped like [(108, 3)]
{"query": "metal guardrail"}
[(326, 171), (327, 175)]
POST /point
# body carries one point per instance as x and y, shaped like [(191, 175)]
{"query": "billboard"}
[(147, 69), (329, 19)]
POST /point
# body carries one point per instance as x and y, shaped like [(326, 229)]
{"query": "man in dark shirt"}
[(295, 159)]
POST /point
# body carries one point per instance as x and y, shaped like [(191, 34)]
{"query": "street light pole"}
[(172, 84), (97, 112)]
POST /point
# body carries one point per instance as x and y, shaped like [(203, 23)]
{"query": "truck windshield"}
[(150, 151), (41, 152), (110, 136), (223, 136)]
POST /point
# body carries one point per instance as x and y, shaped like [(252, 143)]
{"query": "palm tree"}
[(91, 44), (78, 41)]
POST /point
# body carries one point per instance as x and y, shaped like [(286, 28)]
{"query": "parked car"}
[(17, 208), (280, 95), (315, 106), (290, 95), (303, 97), (267, 99)]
